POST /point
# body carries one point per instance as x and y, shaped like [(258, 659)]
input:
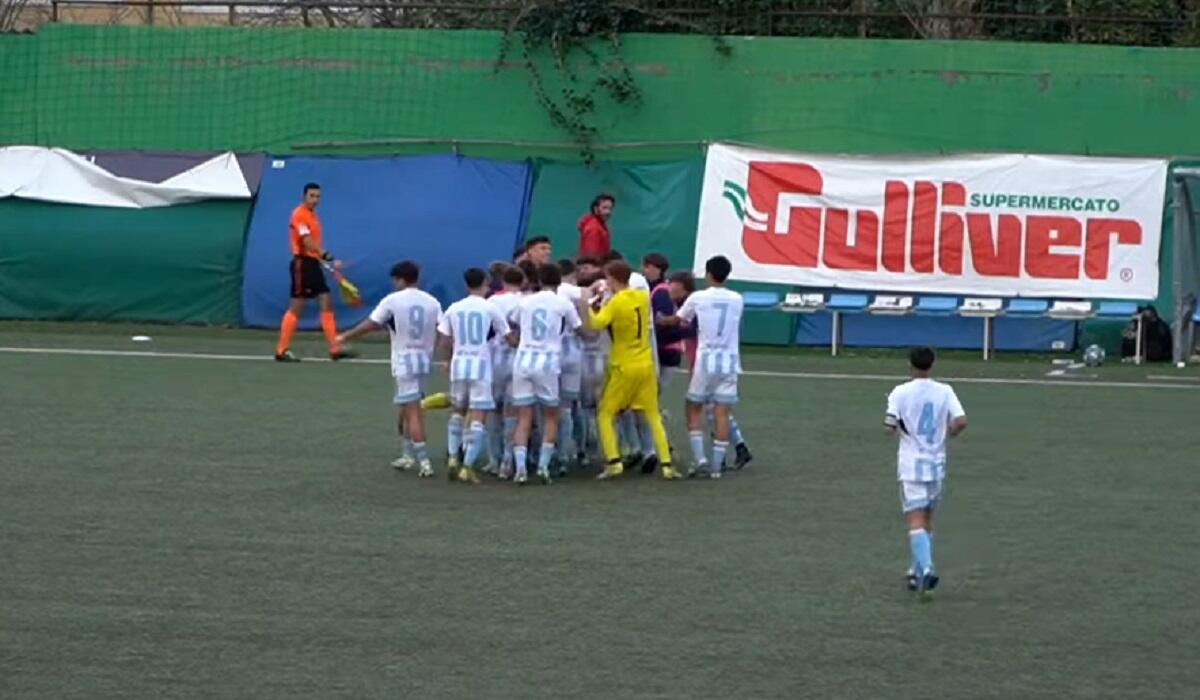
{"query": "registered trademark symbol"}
[(1126, 274)]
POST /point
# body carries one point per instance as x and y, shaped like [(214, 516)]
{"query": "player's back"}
[(543, 318), (923, 409), (717, 312), (411, 316), (471, 322), (631, 321)]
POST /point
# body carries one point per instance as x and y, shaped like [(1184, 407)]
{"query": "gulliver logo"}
[(919, 227)]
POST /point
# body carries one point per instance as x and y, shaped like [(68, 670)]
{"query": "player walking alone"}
[(924, 414), (308, 280)]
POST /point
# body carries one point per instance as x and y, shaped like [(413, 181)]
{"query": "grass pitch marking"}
[(844, 376)]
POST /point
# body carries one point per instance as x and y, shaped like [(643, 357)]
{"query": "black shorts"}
[(308, 279)]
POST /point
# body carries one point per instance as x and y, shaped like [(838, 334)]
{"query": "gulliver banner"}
[(1002, 225)]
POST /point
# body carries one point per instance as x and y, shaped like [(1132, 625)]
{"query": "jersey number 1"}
[(638, 311)]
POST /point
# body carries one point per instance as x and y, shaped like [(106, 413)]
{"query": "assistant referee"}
[(307, 278)]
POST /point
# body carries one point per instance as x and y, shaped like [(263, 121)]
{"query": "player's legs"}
[(695, 424), (329, 326), (414, 426), (646, 397), (288, 325), (919, 499), (618, 394), (549, 421)]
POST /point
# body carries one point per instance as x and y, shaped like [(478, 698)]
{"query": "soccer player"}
[(543, 318), (717, 313), (570, 416), (634, 429), (631, 382), (411, 317), (308, 280), (537, 250), (504, 423), (469, 324), (923, 413), (594, 368)]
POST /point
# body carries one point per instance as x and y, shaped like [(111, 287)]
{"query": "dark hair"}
[(657, 260), (685, 278), (718, 268), (618, 270), (590, 279), (613, 255), (531, 272), (566, 267), (496, 270), (921, 358), (587, 260), (602, 197), (513, 275), (536, 240), (474, 277), (406, 270), (311, 186), (549, 275)]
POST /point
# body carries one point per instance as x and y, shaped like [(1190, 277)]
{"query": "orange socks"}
[(287, 328), (329, 325)]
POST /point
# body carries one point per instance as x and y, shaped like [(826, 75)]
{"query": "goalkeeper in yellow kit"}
[(632, 381)]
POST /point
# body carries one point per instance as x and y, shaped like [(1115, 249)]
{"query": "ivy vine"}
[(583, 38)]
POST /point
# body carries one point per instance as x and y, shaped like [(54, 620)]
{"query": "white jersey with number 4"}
[(543, 318), (469, 322), (411, 317), (922, 410), (717, 313)]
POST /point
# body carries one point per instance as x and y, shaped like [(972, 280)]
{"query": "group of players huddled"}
[(550, 363)]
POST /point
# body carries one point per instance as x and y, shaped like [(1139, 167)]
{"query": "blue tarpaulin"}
[(444, 212)]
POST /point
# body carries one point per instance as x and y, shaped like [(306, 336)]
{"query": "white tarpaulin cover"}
[(1004, 225), (57, 175)]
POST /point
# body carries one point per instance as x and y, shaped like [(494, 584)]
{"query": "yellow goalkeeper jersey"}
[(627, 315)]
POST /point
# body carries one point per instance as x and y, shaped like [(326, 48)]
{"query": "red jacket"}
[(594, 237)]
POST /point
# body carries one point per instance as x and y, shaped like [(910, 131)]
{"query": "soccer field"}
[(185, 526)]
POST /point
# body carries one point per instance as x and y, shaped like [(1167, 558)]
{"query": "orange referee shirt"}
[(304, 223)]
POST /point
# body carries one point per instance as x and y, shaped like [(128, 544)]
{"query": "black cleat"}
[(742, 456), (632, 461), (650, 464), (910, 580), (286, 356), (343, 355)]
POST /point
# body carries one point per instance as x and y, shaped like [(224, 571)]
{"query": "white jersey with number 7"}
[(717, 312), (923, 409)]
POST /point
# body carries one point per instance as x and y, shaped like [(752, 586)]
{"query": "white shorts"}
[(920, 495), (570, 383), (712, 388), (409, 388), (529, 388), (473, 394)]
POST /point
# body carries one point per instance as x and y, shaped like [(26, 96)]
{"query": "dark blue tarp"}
[(864, 330), (445, 212)]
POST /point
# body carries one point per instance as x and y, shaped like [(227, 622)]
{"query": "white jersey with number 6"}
[(411, 317), (469, 322), (544, 318), (922, 409), (717, 312)]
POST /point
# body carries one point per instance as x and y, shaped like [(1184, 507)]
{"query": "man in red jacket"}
[(595, 240)]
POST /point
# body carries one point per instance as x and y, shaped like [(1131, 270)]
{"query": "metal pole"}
[(1137, 345), (987, 338), (837, 331)]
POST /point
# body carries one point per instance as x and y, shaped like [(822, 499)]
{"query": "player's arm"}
[(958, 416), (312, 248), (444, 346), (599, 320), (892, 423), (363, 328), (376, 320), (686, 314)]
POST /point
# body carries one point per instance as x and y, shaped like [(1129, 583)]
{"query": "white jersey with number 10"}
[(469, 322)]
